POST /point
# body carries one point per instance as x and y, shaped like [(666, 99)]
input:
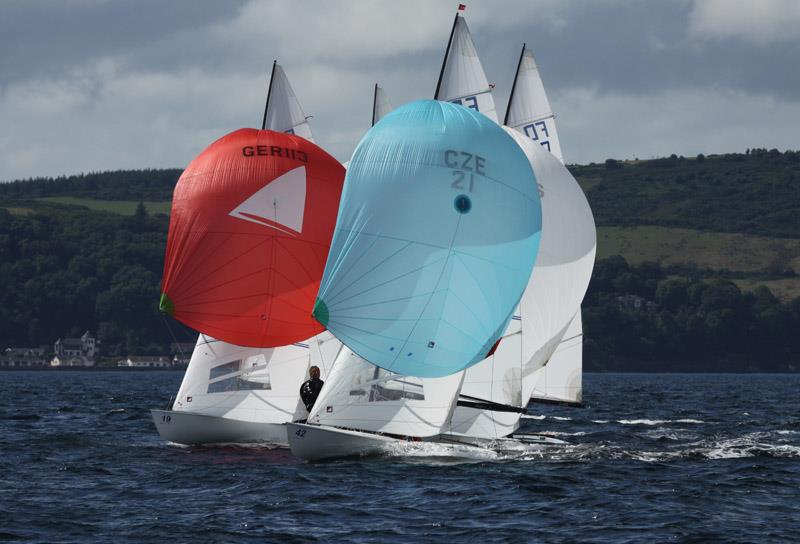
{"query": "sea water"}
[(685, 458)]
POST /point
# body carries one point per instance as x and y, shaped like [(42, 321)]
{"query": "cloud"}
[(104, 85), (761, 22), (595, 126)]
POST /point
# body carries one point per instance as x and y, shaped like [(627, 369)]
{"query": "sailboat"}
[(414, 306), (234, 393), (559, 379), (535, 357)]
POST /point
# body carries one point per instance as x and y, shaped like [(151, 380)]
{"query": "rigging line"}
[(172, 334)]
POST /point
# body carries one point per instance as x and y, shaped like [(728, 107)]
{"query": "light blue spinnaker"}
[(437, 233)]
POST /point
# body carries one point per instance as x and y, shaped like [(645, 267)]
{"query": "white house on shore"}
[(145, 362), (75, 351)]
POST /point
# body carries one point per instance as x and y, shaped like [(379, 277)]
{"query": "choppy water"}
[(683, 458)]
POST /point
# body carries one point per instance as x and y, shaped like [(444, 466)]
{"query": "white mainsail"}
[(245, 384), (358, 395), (560, 379), (528, 108), (283, 112), (380, 104), (462, 79)]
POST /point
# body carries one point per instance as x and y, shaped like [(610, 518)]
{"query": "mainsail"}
[(560, 379), (462, 79), (283, 112), (381, 105), (416, 283), (362, 396), (251, 224), (247, 384), (528, 108)]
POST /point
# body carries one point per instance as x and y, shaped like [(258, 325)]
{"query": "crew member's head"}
[(314, 372)]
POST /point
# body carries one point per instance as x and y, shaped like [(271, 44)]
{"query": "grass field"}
[(735, 252), (785, 289), (122, 207), (20, 211)]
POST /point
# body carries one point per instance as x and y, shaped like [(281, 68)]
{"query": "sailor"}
[(310, 389)]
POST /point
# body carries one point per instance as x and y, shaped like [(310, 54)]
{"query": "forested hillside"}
[(692, 253)]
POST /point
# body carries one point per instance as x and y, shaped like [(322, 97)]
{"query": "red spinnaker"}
[(251, 225)]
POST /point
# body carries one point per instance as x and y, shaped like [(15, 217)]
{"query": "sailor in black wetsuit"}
[(310, 389)]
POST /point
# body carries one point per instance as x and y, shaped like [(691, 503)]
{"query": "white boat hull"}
[(317, 442), (192, 429)]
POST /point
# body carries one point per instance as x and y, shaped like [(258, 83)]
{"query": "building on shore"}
[(23, 358), (145, 362), (75, 351)]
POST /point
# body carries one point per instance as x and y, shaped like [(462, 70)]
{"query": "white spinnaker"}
[(560, 379), (462, 79), (564, 264), (380, 105), (283, 112), (553, 296), (528, 108), (358, 395), (248, 384)]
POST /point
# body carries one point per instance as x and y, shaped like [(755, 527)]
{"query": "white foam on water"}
[(559, 418), (601, 421), (436, 450), (556, 433), (656, 421), (532, 417)]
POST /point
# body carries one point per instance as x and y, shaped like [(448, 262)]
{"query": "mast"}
[(514, 85), (374, 103), (269, 91), (444, 61)]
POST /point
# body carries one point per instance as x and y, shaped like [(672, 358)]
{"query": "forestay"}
[(462, 79), (438, 230), (283, 112), (552, 297), (528, 108)]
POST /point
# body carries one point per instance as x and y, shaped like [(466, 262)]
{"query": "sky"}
[(92, 85)]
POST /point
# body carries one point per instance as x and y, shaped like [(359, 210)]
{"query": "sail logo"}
[(279, 205)]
